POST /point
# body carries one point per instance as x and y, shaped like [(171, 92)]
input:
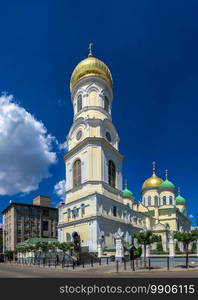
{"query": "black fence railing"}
[(140, 264)]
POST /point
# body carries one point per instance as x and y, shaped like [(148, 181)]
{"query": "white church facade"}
[(96, 205)]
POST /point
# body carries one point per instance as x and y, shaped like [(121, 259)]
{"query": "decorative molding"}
[(91, 80), (98, 108), (93, 141)]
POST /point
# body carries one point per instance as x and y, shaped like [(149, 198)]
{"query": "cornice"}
[(93, 141), (87, 108)]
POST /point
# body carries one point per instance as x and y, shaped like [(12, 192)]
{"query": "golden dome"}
[(153, 181), (90, 66)]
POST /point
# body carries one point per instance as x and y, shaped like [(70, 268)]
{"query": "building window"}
[(114, 211), (75, 212), (46, 212), (149, 200), (68, 237), (77, 173), (69, 212), (108, 136), (79, 103), (82, 209), (170, 200), (112, 173), (164, 200), (45, 225), (156, 200), (106, 104)]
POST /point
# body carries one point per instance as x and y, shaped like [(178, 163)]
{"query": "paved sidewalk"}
[(20, 271)]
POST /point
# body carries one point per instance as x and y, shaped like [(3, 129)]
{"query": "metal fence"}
[(151, 263)]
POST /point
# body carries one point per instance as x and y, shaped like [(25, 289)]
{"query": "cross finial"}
[(90, 49), (125, 184), (179, 190), (166, 173), (154, 165)]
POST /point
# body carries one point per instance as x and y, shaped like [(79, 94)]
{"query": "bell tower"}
[(95, 205), (93, 162)]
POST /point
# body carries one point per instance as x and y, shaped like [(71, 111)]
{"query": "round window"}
[(108, 136), (79, 135)]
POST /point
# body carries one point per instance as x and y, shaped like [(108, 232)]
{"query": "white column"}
[(148, 248), (135, 242), (181, 246), (101, 245), (100, 250), (164, 241), (119, 245), (171, 245)]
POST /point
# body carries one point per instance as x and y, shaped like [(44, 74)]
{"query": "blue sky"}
[(151, 49)]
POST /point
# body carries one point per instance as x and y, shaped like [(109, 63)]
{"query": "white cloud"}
[(63, 146), (191, 216), (25, 149), (59, 189)]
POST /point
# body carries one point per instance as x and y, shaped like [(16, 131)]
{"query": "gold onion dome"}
[(90, 66), (152, 182)]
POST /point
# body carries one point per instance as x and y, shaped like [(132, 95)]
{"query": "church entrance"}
[(77, 246)]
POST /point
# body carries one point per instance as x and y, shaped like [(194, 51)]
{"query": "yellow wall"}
[(93, 99), (82, 229)]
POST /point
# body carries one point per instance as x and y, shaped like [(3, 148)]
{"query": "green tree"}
[(9, 255), (177, 250), (194, 247), (160, 247), (44, 247), (186, 238), (146, 238), (65, 247)]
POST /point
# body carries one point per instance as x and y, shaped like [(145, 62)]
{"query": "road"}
[(19, 271)]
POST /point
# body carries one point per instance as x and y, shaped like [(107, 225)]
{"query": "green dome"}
[(127, 193), (180, 200), (183, 210), (166, 184)]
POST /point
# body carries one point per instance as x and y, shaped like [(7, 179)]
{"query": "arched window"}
[(156, 200), (164, 200), (112, 173), (106, 104), (68, 237), (149, 200), (170, 200), (79, 103), (77, 173)]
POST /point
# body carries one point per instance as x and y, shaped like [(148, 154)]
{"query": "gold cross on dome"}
[(90, 49), (179, 190), (154, 165)]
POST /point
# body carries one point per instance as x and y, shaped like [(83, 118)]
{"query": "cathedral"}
[(96, 205)]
